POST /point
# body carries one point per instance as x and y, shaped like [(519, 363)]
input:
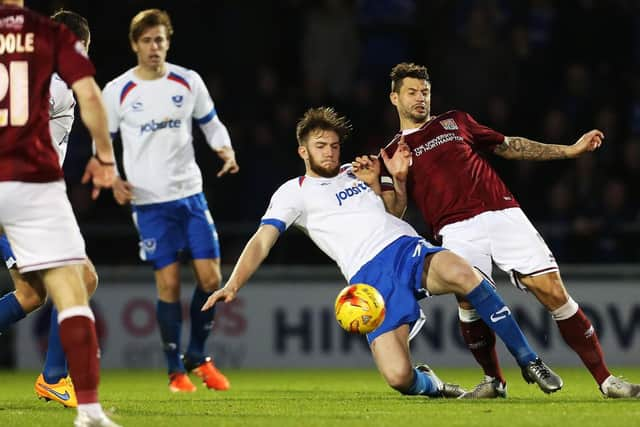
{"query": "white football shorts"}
[(505, 237), (40, 225)]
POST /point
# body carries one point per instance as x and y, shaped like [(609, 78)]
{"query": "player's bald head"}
[(407, 69)]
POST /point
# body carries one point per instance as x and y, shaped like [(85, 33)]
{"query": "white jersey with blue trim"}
[(342, 215), (154, 118), (61, 114)]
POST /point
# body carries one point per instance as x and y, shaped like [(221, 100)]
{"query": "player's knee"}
[(459, 274), (211, 282), (30, 300)]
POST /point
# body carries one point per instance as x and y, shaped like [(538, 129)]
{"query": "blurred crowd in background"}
[(546, 70)]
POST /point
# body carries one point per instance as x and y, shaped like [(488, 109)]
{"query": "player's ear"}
[(134, 47), (393, 97), (302, 152)]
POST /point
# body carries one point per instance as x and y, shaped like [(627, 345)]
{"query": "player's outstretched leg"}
[(195, 361), (54, 383), (497, 315), (436, 387), (447, 272)]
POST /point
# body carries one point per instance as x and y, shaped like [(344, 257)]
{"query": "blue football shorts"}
[(7, 254), (168, 229), (396, 272)]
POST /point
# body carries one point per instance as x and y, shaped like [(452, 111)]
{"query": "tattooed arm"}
[(519, 148)]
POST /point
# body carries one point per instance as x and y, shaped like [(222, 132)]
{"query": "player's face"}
[(321, 153), (151, 47), (413, 102)]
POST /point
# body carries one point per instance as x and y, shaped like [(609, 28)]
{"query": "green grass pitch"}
[(342, 398)]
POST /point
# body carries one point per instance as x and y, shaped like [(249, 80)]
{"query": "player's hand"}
[(100, 174), (229, 166), (590, 141), (367, 169), (122, 191), (226, 294), (398, 164)]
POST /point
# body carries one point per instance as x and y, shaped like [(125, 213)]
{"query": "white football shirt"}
[(342, 215), (154, 118), (61, 114)]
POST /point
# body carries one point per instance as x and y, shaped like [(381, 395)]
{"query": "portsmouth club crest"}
[(177, 100), (449, 124)]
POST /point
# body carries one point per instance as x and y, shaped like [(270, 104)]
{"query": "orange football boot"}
[(62, 392), (210, 375), (179, 382)]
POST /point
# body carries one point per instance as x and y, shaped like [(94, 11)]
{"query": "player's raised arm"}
[(250, 259), (519, 148)]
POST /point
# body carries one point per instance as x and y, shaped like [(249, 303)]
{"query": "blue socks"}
[(55, 363), (170, 322), (10, 311), (201, 325), (422, 384), (497, 316)]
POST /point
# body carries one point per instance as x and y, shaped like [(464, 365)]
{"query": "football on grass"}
[(359, 308)]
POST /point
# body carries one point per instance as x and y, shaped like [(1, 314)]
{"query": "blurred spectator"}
[(330, 46)]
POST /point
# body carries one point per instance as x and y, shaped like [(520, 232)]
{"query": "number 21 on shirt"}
[(14, 81)]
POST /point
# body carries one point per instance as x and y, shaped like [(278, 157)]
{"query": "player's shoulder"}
[(120, 81), (185, 73), (290, 189)]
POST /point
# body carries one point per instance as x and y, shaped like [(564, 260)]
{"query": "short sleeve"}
[(71, 60), (482, 136), (203, 109), (285, 206)]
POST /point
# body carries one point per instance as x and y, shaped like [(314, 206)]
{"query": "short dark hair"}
[(75, 22), (322, 118), (407, 69), (147, 19)]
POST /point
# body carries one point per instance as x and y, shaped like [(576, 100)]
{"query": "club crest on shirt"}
[(449, 124), (177, 100)]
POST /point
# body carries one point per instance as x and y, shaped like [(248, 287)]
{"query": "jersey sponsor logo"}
[(500, 314), (137, 106), (153, 126), (449, 124), (350, 192), (177, 100), (436, 142)]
